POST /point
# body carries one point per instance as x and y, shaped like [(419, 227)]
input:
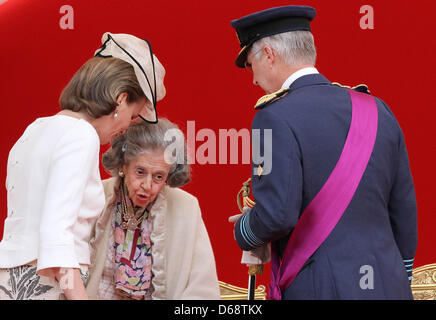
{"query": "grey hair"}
[(295, 47), (142, 138)]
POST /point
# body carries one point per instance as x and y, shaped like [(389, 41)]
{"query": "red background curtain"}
[(197, 46)]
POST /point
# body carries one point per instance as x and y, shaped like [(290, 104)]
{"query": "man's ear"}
[(270, 55)]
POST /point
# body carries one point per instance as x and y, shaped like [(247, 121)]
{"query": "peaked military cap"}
[(270, 22)]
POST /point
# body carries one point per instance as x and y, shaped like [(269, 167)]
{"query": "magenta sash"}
[(326, 209)]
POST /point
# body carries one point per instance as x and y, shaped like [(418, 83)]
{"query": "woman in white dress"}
[(53, 180)]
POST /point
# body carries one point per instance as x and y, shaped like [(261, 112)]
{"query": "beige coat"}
[(183, 260)]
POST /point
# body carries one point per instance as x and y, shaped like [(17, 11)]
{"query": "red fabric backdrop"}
[(197, 46)]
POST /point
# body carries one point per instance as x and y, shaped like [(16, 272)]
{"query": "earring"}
[(116, 114), (121, 173)]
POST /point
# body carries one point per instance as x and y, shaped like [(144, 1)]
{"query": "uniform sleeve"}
[(278, 189), (69, 168), (203, 279), (403, 208)]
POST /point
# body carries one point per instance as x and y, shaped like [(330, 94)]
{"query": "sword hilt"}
[(255, 269)]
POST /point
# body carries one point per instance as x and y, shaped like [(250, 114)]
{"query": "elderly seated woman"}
[(150, 241)]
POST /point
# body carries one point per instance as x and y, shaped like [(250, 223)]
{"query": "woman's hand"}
[(71, 283)]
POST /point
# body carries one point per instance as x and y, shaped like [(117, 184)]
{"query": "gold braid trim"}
[(270, 98), (361, 87), (245, 193)]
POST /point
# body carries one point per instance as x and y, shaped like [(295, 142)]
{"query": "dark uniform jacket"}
[(370, 252)]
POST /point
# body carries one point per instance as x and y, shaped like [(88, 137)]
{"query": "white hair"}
[(295, 47), (143, 137)]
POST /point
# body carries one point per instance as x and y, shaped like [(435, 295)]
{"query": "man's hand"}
[(235, 218)]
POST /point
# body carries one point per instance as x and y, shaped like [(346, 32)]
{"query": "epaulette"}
[(360, 88), (270, 98)]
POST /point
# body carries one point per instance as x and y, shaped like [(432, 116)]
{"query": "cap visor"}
[(242, 57)]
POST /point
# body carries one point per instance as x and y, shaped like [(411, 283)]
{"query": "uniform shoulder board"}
[(270, 98), (360, 88)]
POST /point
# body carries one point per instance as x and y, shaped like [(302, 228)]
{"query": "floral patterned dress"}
[(133, 261), (23, 283), (127, 272)]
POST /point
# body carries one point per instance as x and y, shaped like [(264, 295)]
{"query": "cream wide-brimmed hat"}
[(148, 69)]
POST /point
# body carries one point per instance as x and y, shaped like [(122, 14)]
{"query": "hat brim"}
[(242, 57)]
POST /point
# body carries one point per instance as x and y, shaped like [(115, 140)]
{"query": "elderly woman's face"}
[(145, 177)]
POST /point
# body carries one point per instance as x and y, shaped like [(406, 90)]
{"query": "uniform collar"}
[(309, 80), (303, 81), (298, 74)]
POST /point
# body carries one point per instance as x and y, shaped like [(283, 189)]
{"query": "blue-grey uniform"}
[(370, 252), (377, 234)]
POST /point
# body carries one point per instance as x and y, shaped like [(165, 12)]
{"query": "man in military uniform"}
[(369, 253)]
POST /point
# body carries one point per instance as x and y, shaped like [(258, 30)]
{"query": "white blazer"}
[(54, 194)]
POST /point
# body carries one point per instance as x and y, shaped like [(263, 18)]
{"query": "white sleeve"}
[(68, 172)]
